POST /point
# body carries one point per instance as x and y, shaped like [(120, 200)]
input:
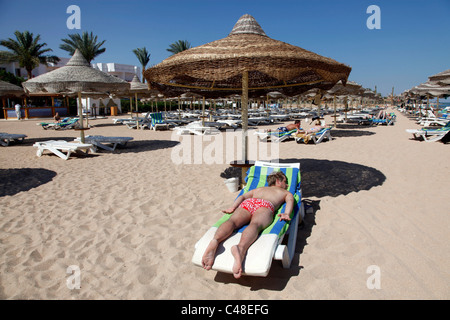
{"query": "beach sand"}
[(129, 220)]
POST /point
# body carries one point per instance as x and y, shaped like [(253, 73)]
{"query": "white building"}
[(122, 71), (16, 70)]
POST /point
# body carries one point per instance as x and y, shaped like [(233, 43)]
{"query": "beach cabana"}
[(77, 76), (246, 62)]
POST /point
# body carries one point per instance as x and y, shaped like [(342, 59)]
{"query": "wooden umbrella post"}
[(80, 110), (244, 110), (335, 113), (203, 112)]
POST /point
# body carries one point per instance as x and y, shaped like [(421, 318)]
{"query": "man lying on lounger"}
[(256, 208), (289, 127)]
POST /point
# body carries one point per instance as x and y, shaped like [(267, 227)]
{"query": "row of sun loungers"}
[(316, 136), (434, 128)]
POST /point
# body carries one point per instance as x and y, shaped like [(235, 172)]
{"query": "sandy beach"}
[(129, 220)]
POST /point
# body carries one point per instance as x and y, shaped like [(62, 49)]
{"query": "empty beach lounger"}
[(269, 245), (196, 128), (139, 123), (7, 138), (106, 143), (62, 148), (157, 122), (276, 136), (430, 135)]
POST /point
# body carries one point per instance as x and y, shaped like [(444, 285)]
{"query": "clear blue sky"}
[(412, 44)]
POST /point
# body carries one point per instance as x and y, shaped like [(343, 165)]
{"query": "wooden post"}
[(80, 110), (335, 113), (244, 112), (203, 112)]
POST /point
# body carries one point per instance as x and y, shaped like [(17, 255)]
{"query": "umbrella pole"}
[(244, 118), (334, 103), (244, 111), (203, 112), (80, 110)]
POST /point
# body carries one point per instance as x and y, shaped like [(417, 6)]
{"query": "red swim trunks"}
[(253, 204)]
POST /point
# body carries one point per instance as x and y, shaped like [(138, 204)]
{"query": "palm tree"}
[(86, 44), (144, 57), (179, 46), (26, 50)]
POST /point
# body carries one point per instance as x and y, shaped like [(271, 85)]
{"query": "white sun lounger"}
[(58, 147), (430, 135), (196, 128), (7, 138), (269, 245), (106, 143)]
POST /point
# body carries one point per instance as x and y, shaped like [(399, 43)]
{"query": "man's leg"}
[(239, 218), (261, 219)]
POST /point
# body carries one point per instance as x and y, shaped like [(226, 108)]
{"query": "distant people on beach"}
[(289, 127), (57, 117), (17, 107), (307, 134)]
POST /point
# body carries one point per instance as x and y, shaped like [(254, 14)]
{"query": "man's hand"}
[(229, 210), (284, 216)]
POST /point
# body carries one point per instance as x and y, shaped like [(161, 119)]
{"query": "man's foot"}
[(237, 266), (208, 256)]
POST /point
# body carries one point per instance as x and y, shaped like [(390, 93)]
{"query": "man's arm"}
[(238, 201), (289, 199)]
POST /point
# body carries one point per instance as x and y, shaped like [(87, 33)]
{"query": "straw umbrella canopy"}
[(441, 77), (247, 62), (137, 88), (9, 89), (76, 76), (215, 69), (340, 90), (430, 88)]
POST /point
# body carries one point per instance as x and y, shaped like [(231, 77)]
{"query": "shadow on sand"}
[(320, 178), (133, 146), (13, 181)]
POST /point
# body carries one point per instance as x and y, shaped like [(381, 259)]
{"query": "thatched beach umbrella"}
[(246, 62), (435, 89), (76, 76), (340, 90), (9, 90), (432, 89), (441, 77), (137, 88)]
